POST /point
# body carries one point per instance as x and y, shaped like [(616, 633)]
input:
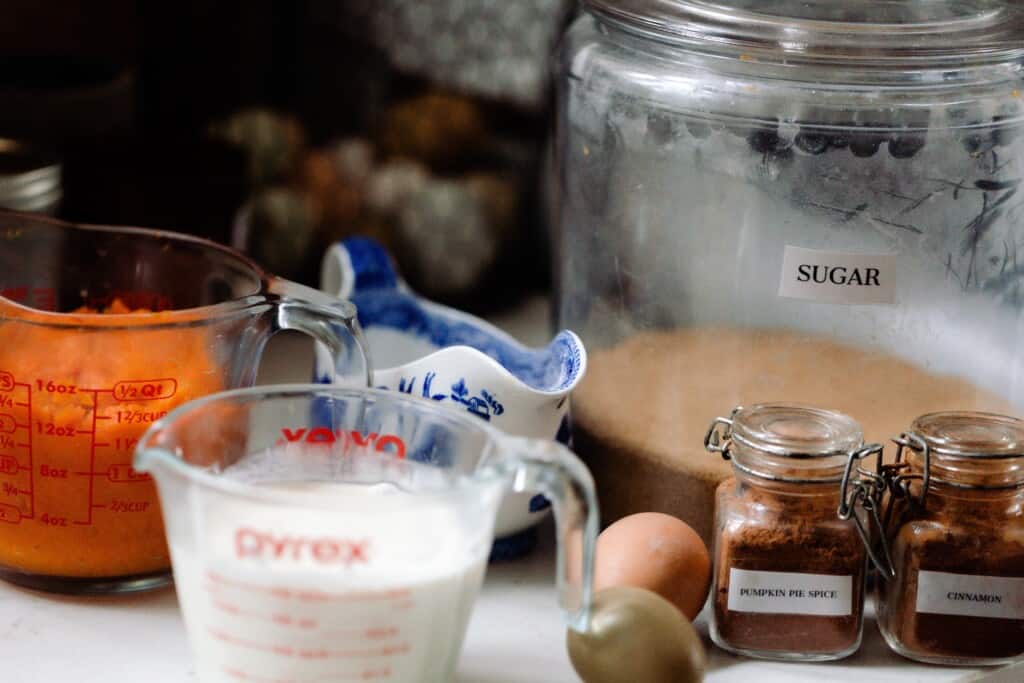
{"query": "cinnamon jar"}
[(954, 591), (789, 573)]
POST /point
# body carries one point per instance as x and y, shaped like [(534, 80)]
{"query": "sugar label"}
[(790, 593), (968, 595), (838, 277)]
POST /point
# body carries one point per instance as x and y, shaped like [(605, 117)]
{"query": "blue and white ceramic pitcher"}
[(428, 350)]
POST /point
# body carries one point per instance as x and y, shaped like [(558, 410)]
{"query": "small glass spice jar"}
[(954, 591), (789, 572)]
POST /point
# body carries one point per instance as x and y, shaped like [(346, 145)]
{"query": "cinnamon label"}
[(790, 593), (993, 597)]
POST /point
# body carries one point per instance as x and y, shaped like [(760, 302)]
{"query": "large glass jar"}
[(811, 202), (955, 591)]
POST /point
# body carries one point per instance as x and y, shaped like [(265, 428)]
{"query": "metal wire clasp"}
[(719, 434), (899, 480), (865, 492)]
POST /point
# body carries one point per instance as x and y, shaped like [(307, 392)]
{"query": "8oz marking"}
[(52, 472)]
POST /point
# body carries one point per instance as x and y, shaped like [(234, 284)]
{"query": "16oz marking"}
[(52, 387)]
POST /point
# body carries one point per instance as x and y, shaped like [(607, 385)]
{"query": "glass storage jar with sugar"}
[(954, 593), (799, 201), (789, 572)]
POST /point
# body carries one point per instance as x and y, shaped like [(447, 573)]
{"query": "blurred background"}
[(282, 126)]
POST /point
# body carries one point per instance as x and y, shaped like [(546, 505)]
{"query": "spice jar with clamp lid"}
[(952, 588), (789, 570)]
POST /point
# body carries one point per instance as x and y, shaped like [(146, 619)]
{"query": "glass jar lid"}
[(796, 431), (788, 442), (968, 449), (955, 31), (966, 434)]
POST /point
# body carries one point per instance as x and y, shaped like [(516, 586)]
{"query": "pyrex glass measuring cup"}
[(349, 545), (102, 332)]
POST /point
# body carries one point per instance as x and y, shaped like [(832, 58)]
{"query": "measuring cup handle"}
[(552, 469), (329, 321)]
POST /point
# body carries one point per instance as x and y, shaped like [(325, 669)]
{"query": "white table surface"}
[(515, 635)]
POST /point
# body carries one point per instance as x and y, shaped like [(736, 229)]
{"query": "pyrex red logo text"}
[(383, 443), (266, 545)]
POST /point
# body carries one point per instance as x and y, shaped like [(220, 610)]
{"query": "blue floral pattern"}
[(483, 405)]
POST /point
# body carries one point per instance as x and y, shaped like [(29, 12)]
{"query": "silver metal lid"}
[(863, 30), (30, 179)]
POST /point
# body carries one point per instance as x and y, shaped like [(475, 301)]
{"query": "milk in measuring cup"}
[(372, 584)]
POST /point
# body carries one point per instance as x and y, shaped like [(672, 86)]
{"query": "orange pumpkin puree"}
[(73, 404)]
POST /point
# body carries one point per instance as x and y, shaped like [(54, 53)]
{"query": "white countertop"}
[(515, 635)]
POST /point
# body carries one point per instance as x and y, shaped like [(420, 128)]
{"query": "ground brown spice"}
[(966, 534), (789, 533)]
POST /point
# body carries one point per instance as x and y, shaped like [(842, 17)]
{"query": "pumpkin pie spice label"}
[(993, 597), (790, 593)]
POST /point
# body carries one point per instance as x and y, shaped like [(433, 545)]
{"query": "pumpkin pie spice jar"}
[(789, 573), (955, 589)]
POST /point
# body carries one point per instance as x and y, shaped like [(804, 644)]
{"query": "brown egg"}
[(658, 552), (636, 636)]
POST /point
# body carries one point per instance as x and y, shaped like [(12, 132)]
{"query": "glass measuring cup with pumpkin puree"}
[(102, 332)]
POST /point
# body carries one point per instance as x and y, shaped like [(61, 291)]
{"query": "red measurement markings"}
[(9, 441), (295, 652), (44, 298), (31, 468), (8, 425), (92, 455), (124, 473), (8, 464), (9, 514), (145, 389), (380, 674), (18, 294), (219, 581), (305, 623)]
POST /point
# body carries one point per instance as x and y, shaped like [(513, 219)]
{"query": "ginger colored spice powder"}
[(74, 403), (779, 530)]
